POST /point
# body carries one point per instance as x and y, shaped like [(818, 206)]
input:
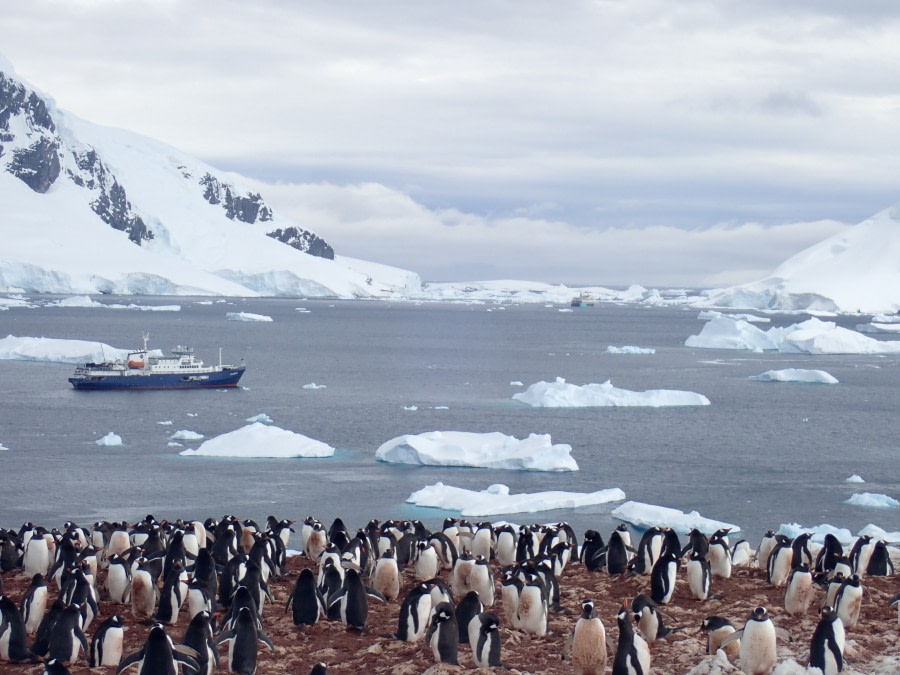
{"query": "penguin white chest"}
[(758, 655)]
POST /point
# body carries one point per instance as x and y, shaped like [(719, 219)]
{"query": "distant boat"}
[(583, 300), (179, 370)]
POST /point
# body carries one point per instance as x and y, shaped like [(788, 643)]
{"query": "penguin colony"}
[(204, 597)]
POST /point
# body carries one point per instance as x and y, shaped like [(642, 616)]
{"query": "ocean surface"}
[(760, 455)]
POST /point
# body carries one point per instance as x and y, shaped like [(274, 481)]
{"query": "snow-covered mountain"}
[(89, 209), (855, 271)]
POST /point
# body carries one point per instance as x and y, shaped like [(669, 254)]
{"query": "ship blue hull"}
[(227, 377)]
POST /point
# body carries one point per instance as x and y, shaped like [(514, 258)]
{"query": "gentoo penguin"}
[(199, 637), (305, 602), (67, 639), (36, 558), (719, 556), (481, 580), (34, 603), (350, 604), (764, 550), (414, 613), (306, 528), (717, 630), (439, 591), (12, 633), (741, 553), (484, 636), (106, 644), (468, 608), (841, 567), (459, 575), (697, 543), (386, 578), (427, 565), (332, 579), (483, 541), (159, 655), (826, 650), (831, 590), (41, 644), (443, 634), (780, 561), (526, 546), (54, 667), (699, 576), (829, 554), (198, 598), (880, 563), (632, 653), (848, 601), (321, 668), (445, 548), (859, 554), (510, 590), (505, 536), (533, 612), (118, 540), (587, 645), (143, 590), (648, 551), (624, 534), (617, 553), (757, 638), (649, 620), (173, 594), (243, 638), (799, 590), (663, 577), (593, 551), (329, 556), (450, 529)]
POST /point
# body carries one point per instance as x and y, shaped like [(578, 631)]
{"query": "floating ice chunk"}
[(57, 350), (411, 407), (186, 435), (246, 316), (110, 439), (261, 440), (496, 499), (490, 450), (855, 478), (878, 327), (886, 318), (877, 533), (313, 385), (818, 532), (441, 407), (872, 500), (516, 383), (560, 394), (165, 423), (262, 417), (3, 447), (795, 375), (710, 314), (648, 515), (566, 309), (175, 444), (628, 349), (85, 301)]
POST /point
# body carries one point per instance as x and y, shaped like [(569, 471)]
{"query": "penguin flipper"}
[(262, 637), (372, 593), (610, 644), (783, 634), (894, 600), (290, 601), (130, 660), (736, 635), (186, 661), (225, 636)]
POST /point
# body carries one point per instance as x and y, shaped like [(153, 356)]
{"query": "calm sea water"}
[(762, 454)]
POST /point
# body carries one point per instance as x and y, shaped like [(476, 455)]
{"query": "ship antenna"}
[(146, 336), (220, 357)]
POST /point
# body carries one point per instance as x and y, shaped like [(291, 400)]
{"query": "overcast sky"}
[(643, 141)]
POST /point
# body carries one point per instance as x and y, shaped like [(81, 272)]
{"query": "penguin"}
[(593, 551), (741, 553), (632, 653), (427, 565), (858, 560), (305, 531), (663, 577), (143, 590), (67, 639), (717, 630), (318, 540), (649, 619), (848, 601), (350, 604), (829, 554), (758, 637), (41, 644), (199, 637), (510, 590), (800, 550), (624, 534), (198, 598), (617, 553), (525, 545), (205, 572), (798, 593), (252, 580), (159, 656), (826, 650), (321, 668), (841, 567), (671, 544), (415, 611), (699, 576), (242, 598), (386, 578), (172, 595), (450, 529), (697, 543), (357, 552), (439, 591), (443, 634), (481, 580), (483, 540), (242, 638), (896, 601), (505, 536), (587, 645), (54, 667), (880, 563), (484, 636), (459, 575), (831, 590), (36, 558), (34, 603), (532, 614), (330, 556), (305, 602), (780, 562), (648, 551), (12, 633), (544, 569), (118, 540), (468, 608), (332, 579), (106, 644), (764, 550), (719, 556)]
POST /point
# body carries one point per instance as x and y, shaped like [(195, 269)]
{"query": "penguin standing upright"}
[(848, 601), (587, 645), (484, 636), (780, 561), (483, 541), (468, 608), (593, 551), (617, 553), (826, 650), (510, 591), (67, 639), (533, 612), (481, 580), (829, 554), (305, 602), (443, 634), (414, 613), (880, 563), (506, 545), (34, 603), (159, 655), (632, 653), (106, 644), (764, 550), (663, 577), (799, 590), (719, 555), (143, 590), (350, 604), (199, 637), (648, 551), (699, 576), (386, 578), (118, 579), (243, 638), (758, 637), (12, 633), (427, 565), (36, 558)]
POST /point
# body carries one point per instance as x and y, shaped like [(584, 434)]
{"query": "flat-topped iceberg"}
[(795, 375), (85, 301), (247, 316), (186, 435), (875, 327), (57, 350), (488, 450), (812, 336), (629, 349), (647, 515), (561, 394), (261, 440), (496, 499), (872, 500)]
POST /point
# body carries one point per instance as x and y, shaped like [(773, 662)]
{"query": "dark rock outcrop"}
[(245, 208), (303, 240)]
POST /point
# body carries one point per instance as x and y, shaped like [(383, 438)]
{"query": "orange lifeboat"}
[(135, 364)]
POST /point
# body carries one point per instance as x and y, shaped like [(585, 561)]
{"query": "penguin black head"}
[(759, 614), (587, 609), (319, 669), (714, 623)]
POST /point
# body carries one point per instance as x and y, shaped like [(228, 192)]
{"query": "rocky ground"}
[(872, 646)]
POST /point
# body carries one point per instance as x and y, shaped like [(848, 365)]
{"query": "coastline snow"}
[(57, 350), (85, 301), (110, 439), (795, 375), (497, 500), (648, 515), (872, 500), (492, 450), (258, 440), (247, 316), (560, 394)]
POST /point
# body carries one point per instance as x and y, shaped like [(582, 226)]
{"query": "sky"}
[(687, 143)]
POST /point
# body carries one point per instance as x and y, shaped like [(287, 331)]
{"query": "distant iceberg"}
[(629, 349), (110, 439), (85, 301), (709, 314), (247, 316), (818, 532), (561, 394), (262, 417), (262, 441), (878, 327), (647, 515), (855, 478), (795, 375), (489, 450), (497, 500), (56, 350), (872, 500), (186, 435)]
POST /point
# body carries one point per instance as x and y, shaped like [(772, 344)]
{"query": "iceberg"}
[(628, 349), (561, 394), (647, 515), (709, 314), (110, 439), (262, 417), (875, 327), (186, 435), (489, 451), (261, 440), (313, 385), (792, 530), (872, 500), (56, 350), (85, 301), (855, 478), (497, 500), (878, 533), (3, 447), (795, 375), (247, 316)]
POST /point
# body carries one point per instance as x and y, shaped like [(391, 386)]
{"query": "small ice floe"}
[(648, 515), (302, 310), (3, 447), (795, 375), (440, 407), (203, 302), (175, 444), (708, 315), (313, 385), (496, 499), (489, 450), (191, 414), (872, 500), (516, 383), (262, 417), (110, 439), (629, 349), (855, 478), (566, 309), (878, 533), (793, 530), (411, 407), (85, 301), (186, 435), (561, 394), (878, 327), (258, 440), (247, 316), (166, 423)]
